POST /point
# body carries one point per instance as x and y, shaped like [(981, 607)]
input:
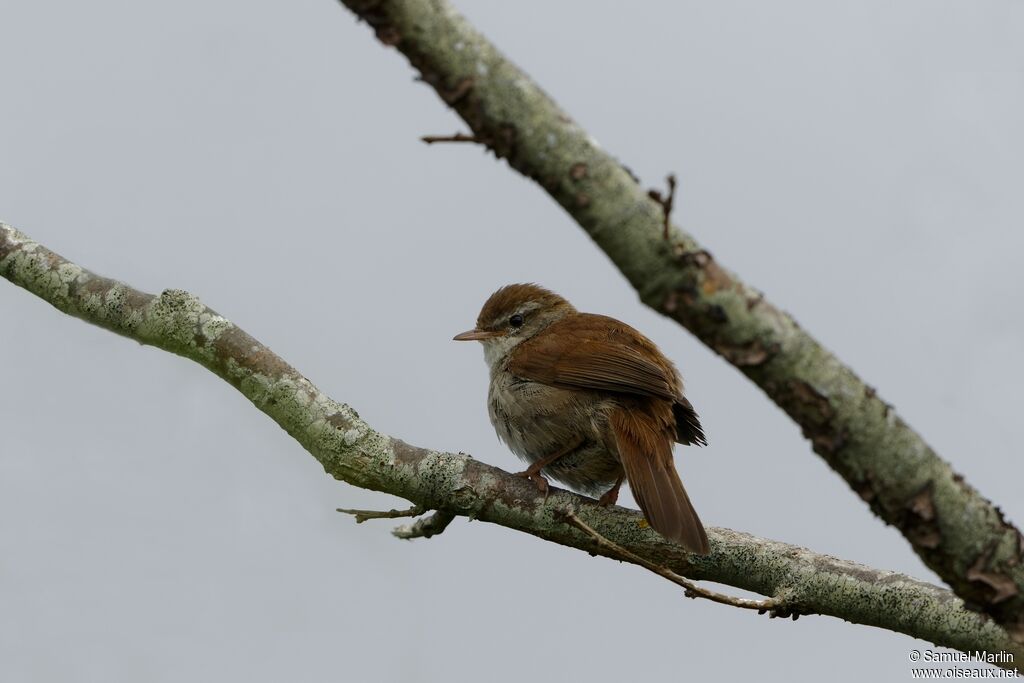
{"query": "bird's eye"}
[(516, 320)]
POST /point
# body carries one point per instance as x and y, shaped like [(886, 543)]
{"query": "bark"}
[(803, 582), (959, 534)]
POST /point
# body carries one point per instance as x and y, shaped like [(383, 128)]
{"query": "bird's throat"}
[(496, 350)]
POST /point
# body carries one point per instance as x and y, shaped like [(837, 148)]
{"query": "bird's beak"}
[(475, 335)]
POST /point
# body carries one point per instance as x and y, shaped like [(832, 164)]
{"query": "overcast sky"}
[(861, 163)]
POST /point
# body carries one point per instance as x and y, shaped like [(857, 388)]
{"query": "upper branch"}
[(956, 531), (348, 449)]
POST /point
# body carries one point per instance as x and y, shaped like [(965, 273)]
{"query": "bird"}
[(588, 401)]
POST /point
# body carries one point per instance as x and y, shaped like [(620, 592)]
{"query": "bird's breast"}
[(536, 420)]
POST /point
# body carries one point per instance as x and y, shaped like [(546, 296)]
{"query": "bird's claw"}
[(537, 478)]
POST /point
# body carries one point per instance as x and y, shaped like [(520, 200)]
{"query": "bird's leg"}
[(612, 494), (533, 471)]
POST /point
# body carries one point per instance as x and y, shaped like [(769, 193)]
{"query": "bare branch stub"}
[(425, 527), (666, 202), (363, 515), (457, 137)]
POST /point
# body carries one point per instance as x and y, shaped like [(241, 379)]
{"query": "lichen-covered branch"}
[(456, 484), (956, 531)]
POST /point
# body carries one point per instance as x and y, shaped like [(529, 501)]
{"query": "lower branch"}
[(350, 450)]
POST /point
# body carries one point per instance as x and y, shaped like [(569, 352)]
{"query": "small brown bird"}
[(588, 400)]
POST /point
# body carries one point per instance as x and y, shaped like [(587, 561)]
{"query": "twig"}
[(425, 527), (363, 515), (775, 606), (666, 201), (457, 137)]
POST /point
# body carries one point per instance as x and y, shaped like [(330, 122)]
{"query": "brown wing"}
[(609, 356), (644, 441)]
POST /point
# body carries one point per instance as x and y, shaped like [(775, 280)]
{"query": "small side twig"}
[(363, 515), (775, 606), (457, 137), (425, 527), (666, 201)]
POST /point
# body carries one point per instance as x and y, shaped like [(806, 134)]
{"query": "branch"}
[(956, 531), (456, 484)]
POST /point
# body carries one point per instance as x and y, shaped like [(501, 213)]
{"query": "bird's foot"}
[(611, 495), (534, 475)]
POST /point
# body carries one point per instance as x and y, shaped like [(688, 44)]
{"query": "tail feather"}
[(645, 450), (688, 429)]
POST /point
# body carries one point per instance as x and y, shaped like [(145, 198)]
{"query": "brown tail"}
[(645, 449)]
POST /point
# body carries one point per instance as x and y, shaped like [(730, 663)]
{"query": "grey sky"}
[(861, 163)]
